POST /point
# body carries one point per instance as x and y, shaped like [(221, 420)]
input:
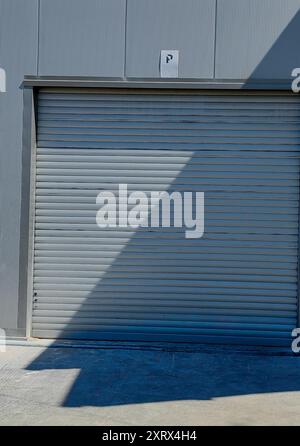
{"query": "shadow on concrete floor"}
[(117, 377)]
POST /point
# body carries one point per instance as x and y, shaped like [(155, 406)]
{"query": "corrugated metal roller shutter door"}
[(236, 284)]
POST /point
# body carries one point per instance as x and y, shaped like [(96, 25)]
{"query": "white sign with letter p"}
[(169, 60)]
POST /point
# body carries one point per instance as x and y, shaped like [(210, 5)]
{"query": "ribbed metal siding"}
[(236, 284)]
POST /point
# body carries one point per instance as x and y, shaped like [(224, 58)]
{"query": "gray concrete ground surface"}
[(138, 387)]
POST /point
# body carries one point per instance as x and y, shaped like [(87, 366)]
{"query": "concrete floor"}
[(79, 386)]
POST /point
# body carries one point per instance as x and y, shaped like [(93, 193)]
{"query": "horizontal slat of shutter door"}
[(237, 284)]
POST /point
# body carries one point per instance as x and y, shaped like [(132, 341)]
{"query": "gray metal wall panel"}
[(257, 39), (18, 56), (238, 283), (82, 38), (188, 26)]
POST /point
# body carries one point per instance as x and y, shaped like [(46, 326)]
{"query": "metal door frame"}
[(30, 92)]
